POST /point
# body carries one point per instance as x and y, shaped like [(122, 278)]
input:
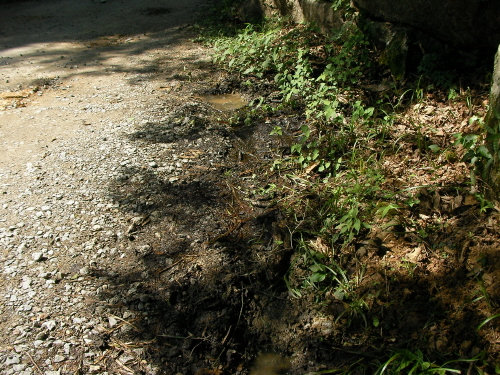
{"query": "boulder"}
[(318, 12), (465, 24)]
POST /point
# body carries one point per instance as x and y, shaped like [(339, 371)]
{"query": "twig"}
[(183, 337), (169, 267), (124, 322), (227, 334), (270, 295), (34, 363), (125, 367)]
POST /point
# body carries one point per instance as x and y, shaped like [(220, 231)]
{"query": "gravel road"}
[(105, 160)]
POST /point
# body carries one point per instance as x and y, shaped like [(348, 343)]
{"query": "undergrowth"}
[(337, 185)]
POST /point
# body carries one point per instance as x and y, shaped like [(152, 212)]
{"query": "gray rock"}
[(112, 321), (468, 24), (37, 256), (15, 359), (59, 358), (49, 325)]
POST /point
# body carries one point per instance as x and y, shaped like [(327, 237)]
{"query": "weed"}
[(486, 321), (408, 362), (477, 154), (334, 182)]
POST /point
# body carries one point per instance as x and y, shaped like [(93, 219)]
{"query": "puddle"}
[(226, 102), (270, 364)]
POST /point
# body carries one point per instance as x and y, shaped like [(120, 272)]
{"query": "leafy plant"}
[(477, 154), (404, 361)]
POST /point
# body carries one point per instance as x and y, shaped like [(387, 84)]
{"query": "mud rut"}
[(131, 241)]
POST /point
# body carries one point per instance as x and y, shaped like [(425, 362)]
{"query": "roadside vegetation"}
[(393, 239)]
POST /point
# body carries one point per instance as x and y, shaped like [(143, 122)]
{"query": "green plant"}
[(477, 154), (404, 361), (408, 362), (486, 321), (409, 266), (350, 225)]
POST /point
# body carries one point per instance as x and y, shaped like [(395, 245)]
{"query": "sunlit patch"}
[(14, 99), (225, 102)]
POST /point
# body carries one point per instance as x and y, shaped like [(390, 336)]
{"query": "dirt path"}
[(128, 242), (97, 59)]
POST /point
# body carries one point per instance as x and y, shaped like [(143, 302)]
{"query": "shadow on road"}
[(70, 38)]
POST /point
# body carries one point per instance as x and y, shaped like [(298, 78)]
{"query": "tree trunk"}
[(492, 125)]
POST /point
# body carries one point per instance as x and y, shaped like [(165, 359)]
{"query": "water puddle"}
[(270, 364), (225, 102)]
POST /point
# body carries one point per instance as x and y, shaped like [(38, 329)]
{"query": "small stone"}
[(112, 321), (20, 348), (37, 257), (20, 367), (26, 283), (140, 352), (42, 336), (49, 325), (124, 358), (84, 271), (126, 329), (58, 372), (15, 359), (128, 315), (26, 308), (59, 358), (153, 164), (43, 316)]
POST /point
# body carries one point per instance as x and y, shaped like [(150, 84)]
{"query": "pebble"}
[(112, 321), (59, 358), (49, 325), (12, 360), (37, 256), (19, 367)]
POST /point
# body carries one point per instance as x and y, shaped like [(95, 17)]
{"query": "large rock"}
[(466, 24), (317, 12)]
